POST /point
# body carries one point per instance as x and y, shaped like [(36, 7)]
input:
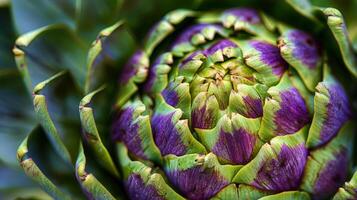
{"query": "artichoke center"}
[(220, 78)]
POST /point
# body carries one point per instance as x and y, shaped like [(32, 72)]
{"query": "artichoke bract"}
[(231, 105)]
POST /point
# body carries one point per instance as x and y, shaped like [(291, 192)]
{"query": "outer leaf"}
[(35, 173), (45, 120), (43, 51), (92, 187), (113, 43), (92, 136), (17, 118), (337, 25)]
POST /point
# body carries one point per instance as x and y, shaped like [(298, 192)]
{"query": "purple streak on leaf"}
[(166, 135), (220, 45), (306, 48), (197, 183), (338, 112), (283, 173), (190, 58), (270, 55), (237, 148), (202, 118), (332, 176), (125, 130), (187, 34), (254, 107), (130, 68), (136, 189), (293, 113), (152, 75), (170, 95)]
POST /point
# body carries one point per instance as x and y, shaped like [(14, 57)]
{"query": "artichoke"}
[(230, 103)]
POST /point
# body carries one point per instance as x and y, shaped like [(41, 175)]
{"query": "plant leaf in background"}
[(59, 89)]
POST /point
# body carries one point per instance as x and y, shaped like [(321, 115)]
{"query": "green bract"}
[(228, 100)]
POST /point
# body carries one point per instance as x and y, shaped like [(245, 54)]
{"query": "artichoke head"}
[(231, 105)]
